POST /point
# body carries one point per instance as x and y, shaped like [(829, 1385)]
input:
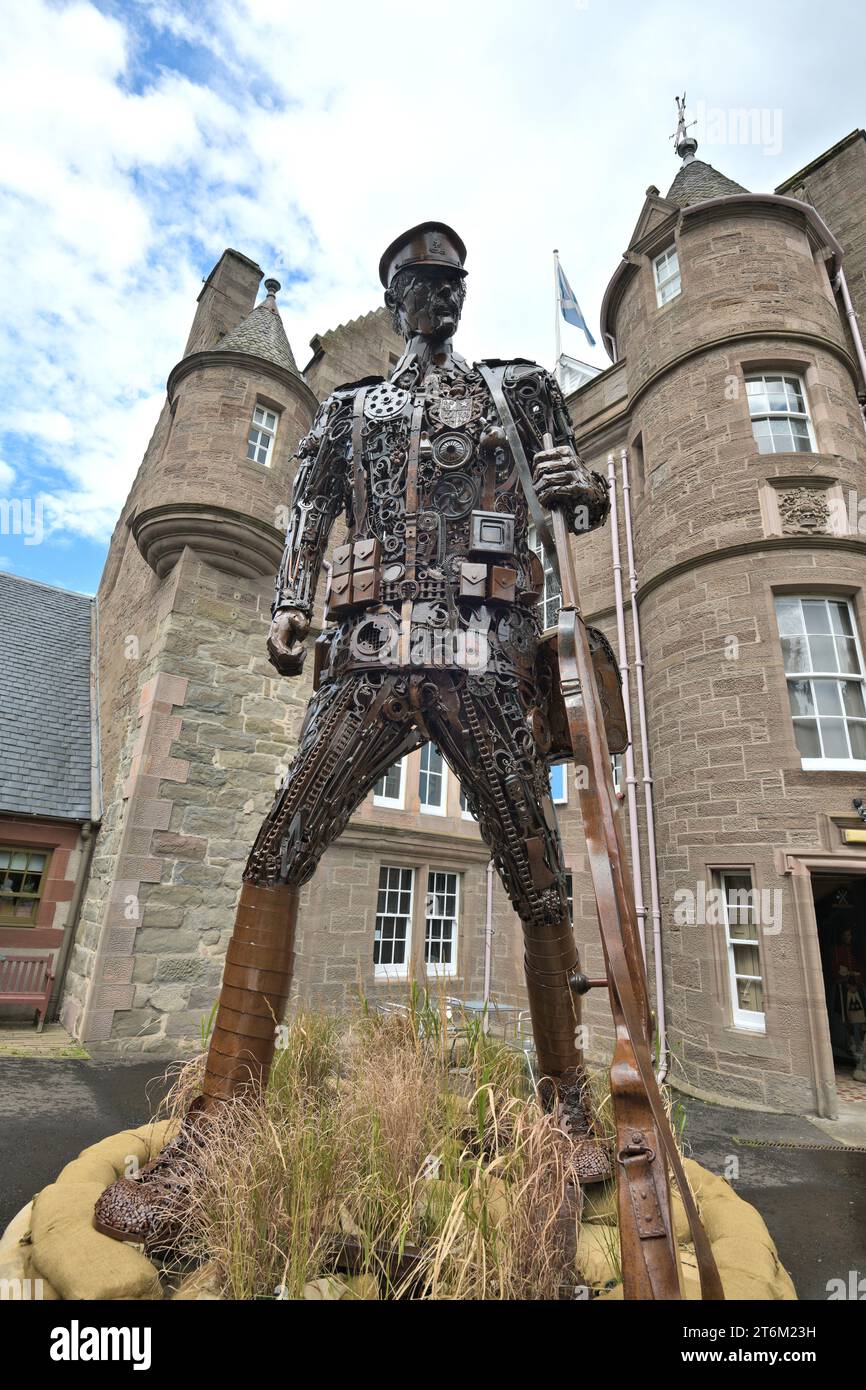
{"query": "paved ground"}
[(813, 1199), (25, 1041), (51, 1109)]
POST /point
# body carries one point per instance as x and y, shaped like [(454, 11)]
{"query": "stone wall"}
[(835, 184), (235, 720), (366, 346), (227, 296), (730, 793), (741, 267)]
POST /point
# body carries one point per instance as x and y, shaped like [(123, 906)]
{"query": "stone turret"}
[(188, 702), (204, 490)]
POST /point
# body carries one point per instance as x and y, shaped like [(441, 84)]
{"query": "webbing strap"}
[(493, 377), (359, 484)]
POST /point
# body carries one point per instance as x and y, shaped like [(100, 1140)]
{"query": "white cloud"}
[(309, 135)]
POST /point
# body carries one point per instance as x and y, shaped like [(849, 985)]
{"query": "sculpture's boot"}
[(551, 964), (148, 1209)]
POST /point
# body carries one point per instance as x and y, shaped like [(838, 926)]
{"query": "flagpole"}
[(557, 316)]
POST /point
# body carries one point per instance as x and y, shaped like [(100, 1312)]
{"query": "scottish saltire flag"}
[(570, 307)]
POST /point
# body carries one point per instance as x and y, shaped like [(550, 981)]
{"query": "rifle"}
[(643, 1134), (645, 1144)]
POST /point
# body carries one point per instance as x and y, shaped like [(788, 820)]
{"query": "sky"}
[(139, 138)]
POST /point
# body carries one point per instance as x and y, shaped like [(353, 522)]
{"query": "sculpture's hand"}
[(286, 641), (561, 478)]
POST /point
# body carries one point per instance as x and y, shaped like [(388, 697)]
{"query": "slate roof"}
[(696, 182), (45, 714), (261, 334)]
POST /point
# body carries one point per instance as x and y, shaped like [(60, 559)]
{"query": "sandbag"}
[(75, 1259), (118, 1155), (597, 1255)]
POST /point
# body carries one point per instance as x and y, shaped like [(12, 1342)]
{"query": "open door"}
[(840, 912)]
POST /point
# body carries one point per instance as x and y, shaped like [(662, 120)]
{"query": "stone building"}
[(733, 357), (735, 394)]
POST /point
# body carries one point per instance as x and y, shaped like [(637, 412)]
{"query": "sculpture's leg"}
[(482, 731), (255, 990), (354, 730)]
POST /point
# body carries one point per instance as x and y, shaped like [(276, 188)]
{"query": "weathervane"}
[(685, 145)]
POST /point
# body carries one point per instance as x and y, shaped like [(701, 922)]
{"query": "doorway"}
[(840, 913)]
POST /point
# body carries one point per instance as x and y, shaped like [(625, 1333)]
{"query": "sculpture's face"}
[(427, 300)]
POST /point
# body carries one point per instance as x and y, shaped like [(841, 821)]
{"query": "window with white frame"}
[(440, 929), (744, 956), (569, 889), (666, 271), (559, 779), (263, 432), (780, 415), (464, 807), (432, 781), (616, 768), (559, 784), (824, 672), (392, 939), (551, 597), (390, 790)]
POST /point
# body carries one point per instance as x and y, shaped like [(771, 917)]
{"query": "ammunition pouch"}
[(355, 577), (496, 583)]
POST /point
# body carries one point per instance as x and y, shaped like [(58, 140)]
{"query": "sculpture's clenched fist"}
[(286, 635), (560, 477)]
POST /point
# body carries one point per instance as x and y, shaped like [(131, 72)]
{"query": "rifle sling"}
[(493, 377), (359, 488)]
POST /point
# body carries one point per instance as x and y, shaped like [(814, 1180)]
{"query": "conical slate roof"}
[(697, 181), (261, 333)]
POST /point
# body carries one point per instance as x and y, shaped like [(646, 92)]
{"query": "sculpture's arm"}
[(590, 509), (319, 494), (561, 477)]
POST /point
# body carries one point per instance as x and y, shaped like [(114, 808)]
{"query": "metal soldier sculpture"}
[(432, 634)]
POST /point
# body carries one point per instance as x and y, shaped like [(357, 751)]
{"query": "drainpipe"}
[(90, 828), (630, 778), (488, 947), (88, 845), (840, 285), (647, 775)]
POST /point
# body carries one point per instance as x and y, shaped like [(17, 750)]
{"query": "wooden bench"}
[(27, 980)]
